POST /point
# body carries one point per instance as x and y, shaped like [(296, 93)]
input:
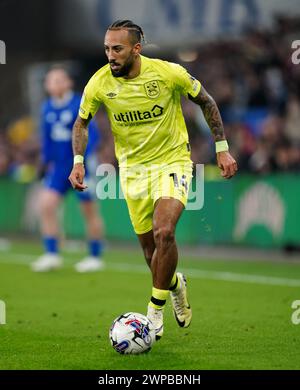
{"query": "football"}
[(132, 333)]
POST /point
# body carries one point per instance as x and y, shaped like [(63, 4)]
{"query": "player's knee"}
[(164, 234), (47, 207)]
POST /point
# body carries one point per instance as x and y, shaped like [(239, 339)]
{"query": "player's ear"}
[(137, 48)]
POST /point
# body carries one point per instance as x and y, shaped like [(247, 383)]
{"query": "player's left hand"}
[(227, 164)]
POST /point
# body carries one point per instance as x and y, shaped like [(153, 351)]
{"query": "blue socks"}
[(51, 245), (95, 248)]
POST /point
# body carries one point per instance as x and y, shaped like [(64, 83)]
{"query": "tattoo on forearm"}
[(80, 136), (211, 113)]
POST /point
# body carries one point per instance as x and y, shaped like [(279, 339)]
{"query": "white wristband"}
[(222, 146), (78, 159)]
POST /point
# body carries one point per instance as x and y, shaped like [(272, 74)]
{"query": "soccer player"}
[(59, 112), (142, 98)]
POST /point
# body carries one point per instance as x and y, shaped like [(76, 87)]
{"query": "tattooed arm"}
[(211, 114), (210, 110), (79, 142), (80, 136)]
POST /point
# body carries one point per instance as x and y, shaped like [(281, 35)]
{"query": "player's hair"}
[(62, 67), (135, 31)]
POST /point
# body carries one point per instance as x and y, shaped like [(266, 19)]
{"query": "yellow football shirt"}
[(144, 112)]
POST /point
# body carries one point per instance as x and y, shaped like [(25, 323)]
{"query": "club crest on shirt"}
[(152, 89)]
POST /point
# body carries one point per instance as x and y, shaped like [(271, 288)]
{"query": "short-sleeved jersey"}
[(144, 112), (57, 121)]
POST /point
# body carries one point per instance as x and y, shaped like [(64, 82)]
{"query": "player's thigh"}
[(57, 179), (139, 202), (166, 215), (49, 200), (172, 182), (141, 213), (89, 208)]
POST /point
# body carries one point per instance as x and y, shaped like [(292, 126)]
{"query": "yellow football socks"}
[(158, 298), (175, 283)]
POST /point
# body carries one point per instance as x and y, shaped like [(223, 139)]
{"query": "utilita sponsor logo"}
[(136, 116)]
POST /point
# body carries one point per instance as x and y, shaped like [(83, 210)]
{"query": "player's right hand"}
[(76, 177)]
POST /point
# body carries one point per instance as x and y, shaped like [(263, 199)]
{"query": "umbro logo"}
[(111, 95)]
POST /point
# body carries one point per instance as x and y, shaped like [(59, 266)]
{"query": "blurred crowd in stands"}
[(256, 86)]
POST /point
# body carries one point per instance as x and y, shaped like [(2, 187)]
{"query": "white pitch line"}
[(216, 275), (14, 258), (242, 278)]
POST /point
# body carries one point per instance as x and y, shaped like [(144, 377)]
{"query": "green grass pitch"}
[(60, 320)]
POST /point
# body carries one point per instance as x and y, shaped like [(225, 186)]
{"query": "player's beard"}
[(125, 69)]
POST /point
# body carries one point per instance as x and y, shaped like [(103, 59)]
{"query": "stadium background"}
[(241, 51)]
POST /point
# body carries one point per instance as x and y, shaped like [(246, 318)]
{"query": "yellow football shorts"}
[(142, 186)]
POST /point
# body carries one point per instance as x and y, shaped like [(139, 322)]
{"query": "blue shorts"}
[(57, 179)]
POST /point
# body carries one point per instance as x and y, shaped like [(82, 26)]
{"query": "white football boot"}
[(90, 264), (156, 316), (181, 307), (47, 262)]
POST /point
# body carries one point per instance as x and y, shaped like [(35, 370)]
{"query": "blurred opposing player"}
[(142, 98), (59, 112)]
